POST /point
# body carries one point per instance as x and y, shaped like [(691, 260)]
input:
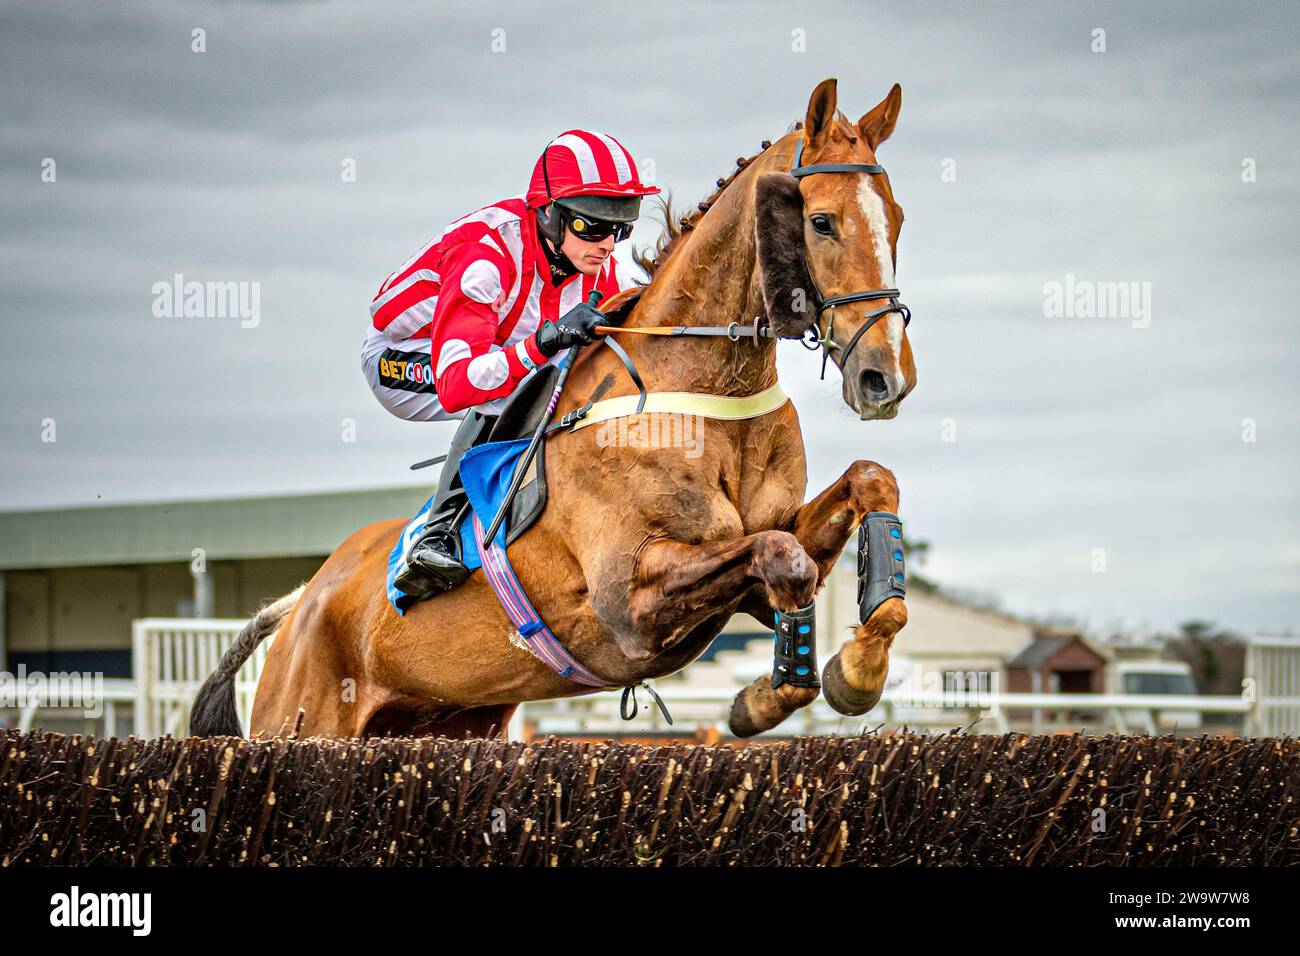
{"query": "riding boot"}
[(433, 563)]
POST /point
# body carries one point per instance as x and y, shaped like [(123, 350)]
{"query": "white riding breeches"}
[(401, 376)]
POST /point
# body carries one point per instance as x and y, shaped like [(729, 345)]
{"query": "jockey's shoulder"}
[(494, 231), (502, 215)]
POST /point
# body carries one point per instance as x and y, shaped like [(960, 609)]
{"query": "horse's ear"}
[(821, 115), (878, 122), (787, 286)]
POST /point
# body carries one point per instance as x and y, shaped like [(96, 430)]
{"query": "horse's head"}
[(824, 238)]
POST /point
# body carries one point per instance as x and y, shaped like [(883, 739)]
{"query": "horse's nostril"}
[(872, 384)]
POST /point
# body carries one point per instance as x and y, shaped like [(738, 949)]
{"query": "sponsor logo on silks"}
[(409, 371)]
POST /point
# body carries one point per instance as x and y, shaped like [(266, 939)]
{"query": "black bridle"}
[(759, 329), (822, 339)]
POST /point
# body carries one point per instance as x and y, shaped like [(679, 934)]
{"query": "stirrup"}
[(430, 569)]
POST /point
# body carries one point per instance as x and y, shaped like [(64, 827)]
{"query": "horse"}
[(642, 554)]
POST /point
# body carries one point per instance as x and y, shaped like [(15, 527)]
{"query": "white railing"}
[(1273, 679), (172, 657), (986, 713), (117, 694)]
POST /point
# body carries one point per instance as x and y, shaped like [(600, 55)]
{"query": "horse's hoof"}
[(739, 722), (843, 698)]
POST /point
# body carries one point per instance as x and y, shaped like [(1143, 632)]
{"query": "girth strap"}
[(537, 637), (534, 633)]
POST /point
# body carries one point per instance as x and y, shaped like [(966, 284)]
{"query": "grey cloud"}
[(1073, 434)]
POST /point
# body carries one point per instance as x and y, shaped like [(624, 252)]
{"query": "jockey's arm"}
[(468, 371)]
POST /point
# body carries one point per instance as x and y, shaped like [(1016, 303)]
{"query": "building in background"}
[(72, 580), (1056, 663)]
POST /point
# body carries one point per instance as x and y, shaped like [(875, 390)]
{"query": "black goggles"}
[(594, 230)]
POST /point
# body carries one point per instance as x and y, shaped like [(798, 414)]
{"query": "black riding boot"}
[(434, 562)]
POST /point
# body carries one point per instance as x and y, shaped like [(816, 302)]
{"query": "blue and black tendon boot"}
[(796, 648), (881, 576), (881, 572)]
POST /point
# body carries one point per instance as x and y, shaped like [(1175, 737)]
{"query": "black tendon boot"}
[(434, 562)]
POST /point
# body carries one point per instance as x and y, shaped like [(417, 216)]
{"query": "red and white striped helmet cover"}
[(582, 163)]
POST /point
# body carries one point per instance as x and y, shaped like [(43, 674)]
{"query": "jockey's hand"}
[(576, 327)]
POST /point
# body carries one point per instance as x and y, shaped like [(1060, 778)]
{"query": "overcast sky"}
[(1071, 434)]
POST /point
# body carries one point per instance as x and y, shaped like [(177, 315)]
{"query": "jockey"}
[(497, 294)]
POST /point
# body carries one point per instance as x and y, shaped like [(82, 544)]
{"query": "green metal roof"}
[(280, 526)]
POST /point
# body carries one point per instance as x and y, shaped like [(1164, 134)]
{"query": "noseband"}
[(821, 339)]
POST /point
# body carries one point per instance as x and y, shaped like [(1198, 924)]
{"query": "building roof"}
[(1036, 653), (264, 527), (939, 627), (1043, 647)]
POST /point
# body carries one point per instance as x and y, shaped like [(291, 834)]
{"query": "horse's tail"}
[(214, 713)]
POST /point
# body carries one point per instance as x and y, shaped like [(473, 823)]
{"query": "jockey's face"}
[(587, 257)]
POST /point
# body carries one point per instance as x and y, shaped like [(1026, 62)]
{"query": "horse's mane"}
[(676, 227)]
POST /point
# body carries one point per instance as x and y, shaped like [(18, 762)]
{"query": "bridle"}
[(822, 339), (759, 328)]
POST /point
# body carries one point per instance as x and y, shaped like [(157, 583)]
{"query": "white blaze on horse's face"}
[(877, 366), (873, 209), (851, 233)]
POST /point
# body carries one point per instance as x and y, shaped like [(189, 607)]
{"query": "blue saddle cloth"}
[(485, 473)]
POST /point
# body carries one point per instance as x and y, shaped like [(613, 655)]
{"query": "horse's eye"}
[(822, 224)]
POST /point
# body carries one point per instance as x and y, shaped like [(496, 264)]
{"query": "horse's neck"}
[(711, 279)]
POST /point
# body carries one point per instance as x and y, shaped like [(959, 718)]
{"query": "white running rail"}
[(173, 656), (171, 660), (1273, 678)]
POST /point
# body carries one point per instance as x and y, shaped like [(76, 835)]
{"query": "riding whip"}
[(539, 433)]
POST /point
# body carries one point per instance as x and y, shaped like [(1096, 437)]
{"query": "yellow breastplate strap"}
[(723, 407)]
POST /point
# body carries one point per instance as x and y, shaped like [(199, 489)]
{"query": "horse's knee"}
[(788, 573), (872, 487)]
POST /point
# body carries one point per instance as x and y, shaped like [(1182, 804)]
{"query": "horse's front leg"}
[(854, 677), (678, 585)]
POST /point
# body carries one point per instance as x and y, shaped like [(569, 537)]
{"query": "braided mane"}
[(675, 227)]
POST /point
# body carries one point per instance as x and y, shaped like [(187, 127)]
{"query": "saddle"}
[(523, 411)]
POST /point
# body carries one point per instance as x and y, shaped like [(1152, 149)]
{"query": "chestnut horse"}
[(642, 554)]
